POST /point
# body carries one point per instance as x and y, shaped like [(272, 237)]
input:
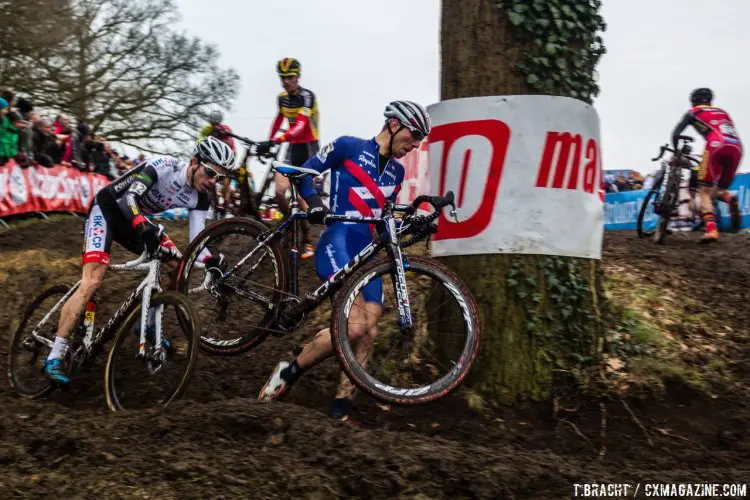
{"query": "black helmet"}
[(701, 96), (288, 66)]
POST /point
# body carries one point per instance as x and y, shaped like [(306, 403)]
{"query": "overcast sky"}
[(357, 55)]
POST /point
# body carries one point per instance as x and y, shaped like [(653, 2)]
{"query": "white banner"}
[(526, 172)]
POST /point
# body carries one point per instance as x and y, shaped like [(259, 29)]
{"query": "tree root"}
[(637, 422), (578, 431), (667, 432)]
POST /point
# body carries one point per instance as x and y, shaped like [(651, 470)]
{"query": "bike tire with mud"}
[(382, 390), (187, 320), (252, 229), (671, 199), (650, 196)]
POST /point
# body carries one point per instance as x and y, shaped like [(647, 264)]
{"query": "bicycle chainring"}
[(290, 317)]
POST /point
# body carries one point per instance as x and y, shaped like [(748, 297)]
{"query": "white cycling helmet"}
[(214, 151), (215, 116), (411, 115)]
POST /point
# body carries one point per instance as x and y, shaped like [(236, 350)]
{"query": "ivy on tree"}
[(565, 44)]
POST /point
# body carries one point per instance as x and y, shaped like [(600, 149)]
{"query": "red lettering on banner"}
[(589, 173), (444, 139), (39, 189), (563, 150)]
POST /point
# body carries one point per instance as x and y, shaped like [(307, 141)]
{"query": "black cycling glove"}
[(316, 210)]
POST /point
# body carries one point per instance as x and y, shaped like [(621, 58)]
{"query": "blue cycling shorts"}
[(338, 245)]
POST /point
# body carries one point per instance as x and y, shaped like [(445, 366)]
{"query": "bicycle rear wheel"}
[(231, 320), (163, 375), (26, 354), (421, 365)]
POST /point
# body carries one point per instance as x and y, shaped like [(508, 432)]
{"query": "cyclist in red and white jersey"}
[(118, 214), (720, 159)]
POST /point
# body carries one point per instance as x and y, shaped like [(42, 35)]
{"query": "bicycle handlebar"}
[(437, 202), (250, 143)]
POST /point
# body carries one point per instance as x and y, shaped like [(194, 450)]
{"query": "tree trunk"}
[(539, 315)]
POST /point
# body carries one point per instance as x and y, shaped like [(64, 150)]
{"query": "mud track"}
[(217, 442)]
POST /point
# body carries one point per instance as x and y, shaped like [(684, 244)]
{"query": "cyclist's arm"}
[(303, 118), (276, 125), (197, 221), (128, 203), (686, 120), (329, 156), (278, 121)]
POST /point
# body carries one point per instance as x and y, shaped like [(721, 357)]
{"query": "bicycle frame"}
[(387, 238), (149, 284)]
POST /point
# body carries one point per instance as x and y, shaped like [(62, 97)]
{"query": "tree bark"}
[(540, 317)]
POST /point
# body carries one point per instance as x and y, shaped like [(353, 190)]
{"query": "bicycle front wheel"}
[(647, 219), (162, 375), (236, 312), (414, 366), (669, 203)]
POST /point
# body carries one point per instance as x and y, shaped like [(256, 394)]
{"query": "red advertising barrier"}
[(40, 189)]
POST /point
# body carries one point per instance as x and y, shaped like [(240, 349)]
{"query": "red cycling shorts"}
[(720, 162)]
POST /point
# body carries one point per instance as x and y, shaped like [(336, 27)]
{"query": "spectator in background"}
[(76, 154), (25, 133), (4, 106), (11, 122), (103, 158), (9, 97), (635, 179), (62, 133), (622, 184), (45, 150)]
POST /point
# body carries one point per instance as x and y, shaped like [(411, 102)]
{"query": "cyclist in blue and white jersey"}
[(364, 173), (118, 214)]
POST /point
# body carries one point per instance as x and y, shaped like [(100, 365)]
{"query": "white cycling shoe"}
[(276, 387)]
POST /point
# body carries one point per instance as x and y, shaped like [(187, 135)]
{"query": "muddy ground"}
[(217, 442)]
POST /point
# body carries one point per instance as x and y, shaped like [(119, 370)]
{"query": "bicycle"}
[(279, 309), (250, 202), (662, 200), (138, 323)]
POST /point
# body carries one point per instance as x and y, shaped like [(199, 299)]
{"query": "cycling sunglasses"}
[(213, 174), (415, 134)]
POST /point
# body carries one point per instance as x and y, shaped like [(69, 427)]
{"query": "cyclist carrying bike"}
[(299, 106), (117, 214), (364, 173), (720, 159)]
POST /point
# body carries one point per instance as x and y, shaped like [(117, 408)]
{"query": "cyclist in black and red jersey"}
[(299, 107), (720, 159)]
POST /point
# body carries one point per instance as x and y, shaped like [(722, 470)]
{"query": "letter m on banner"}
[(563, 151)]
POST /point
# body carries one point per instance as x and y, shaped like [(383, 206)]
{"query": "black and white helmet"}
[(214, 151), (410, 114), (215, 116)]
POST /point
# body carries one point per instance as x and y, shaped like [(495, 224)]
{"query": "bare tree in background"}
[(28, 29), (124, 68)]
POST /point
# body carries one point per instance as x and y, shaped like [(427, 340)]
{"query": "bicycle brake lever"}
[(454, 213)]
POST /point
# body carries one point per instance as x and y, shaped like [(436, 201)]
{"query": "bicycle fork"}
[(399, 277), (156, 314)]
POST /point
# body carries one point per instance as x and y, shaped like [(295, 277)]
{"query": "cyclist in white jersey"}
[(117, 214)]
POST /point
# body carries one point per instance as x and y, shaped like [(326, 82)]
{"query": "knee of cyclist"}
[(90, 285), (358, 330)]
